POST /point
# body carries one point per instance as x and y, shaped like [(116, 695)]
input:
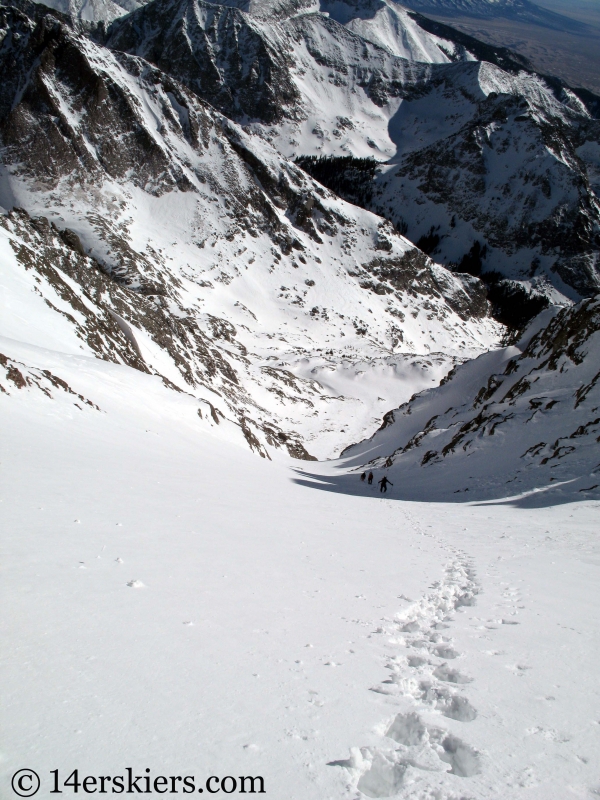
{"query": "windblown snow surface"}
[(173, 602)]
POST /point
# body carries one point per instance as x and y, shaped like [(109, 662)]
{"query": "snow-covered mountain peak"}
[(515, 154), (390, 26)]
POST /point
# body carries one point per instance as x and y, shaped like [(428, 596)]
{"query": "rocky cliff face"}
[(515, 177), (217, 52)]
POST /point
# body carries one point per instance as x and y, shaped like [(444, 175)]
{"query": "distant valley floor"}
[(574, 58)]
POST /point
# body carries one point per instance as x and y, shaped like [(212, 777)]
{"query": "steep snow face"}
[(325, 79), (390, 26), (219, 52), (521, 419), (492, 171), (170, 240), (349, 90), (179, 603), (302, 78), (94, 10)]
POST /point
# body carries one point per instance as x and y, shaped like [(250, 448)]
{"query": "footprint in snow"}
[(450, 675), (410, 731), (379, 771), (446, 651)]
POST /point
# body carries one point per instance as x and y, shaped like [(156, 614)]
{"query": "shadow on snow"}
[(420, 489)]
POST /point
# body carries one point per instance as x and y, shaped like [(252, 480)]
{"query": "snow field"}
[(175, 602)]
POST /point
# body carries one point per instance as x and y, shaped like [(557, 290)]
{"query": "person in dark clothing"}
[(363, 476), (383, 483), (370, 478)]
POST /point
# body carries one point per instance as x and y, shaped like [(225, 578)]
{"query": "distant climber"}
[(383, 483), (370, 478), (363, 476)]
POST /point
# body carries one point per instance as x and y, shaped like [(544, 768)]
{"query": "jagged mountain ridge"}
[(521, 419), (477, 155), (166, 233), (518, 178), (273, 71)]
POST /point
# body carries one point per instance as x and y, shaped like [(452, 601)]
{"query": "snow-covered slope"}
[(173, 603), (303, 79), (177, 299), (489, 165), (515, 172), (390, 26), (161, 234), (520, 419), (310, 76)]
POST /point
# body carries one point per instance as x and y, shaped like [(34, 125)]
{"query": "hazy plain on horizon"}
[(572, 56)]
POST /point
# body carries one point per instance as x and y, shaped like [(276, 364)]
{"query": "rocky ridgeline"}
[(217, 52), (493, 168), (495, 172), (511, 187), (520, 419), (107, 316)]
